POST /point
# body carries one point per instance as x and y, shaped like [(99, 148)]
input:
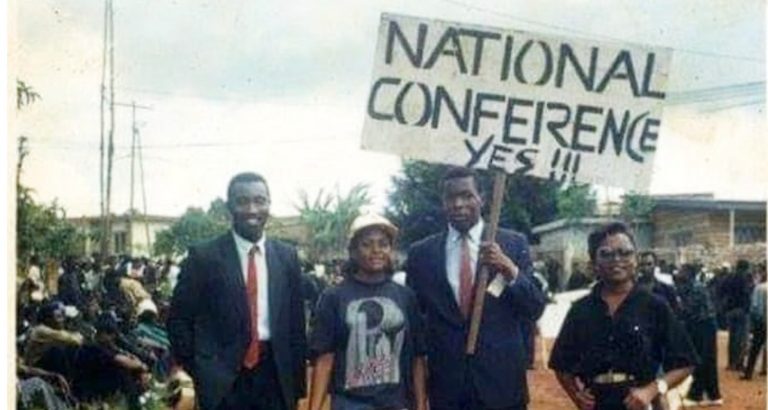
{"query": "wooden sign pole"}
[(481, 280)]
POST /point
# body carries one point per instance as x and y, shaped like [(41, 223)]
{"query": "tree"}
[(194, 226), (576, 201), (25, 94), (328, 216), (415, 203), (635, 206), (42, 230)]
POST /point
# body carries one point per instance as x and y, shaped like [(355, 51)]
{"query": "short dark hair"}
[(652, 254), (107, 323), (47, 311), (742, 266), (245, 177), (688, 271), (598, 236), (454, 172)]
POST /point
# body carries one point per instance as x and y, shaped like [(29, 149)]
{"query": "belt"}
[(611, 377)]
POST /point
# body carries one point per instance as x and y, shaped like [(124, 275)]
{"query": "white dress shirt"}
[(243, 246), (453, 254)]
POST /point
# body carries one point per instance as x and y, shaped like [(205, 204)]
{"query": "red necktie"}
[(465, 279), (252, 289)]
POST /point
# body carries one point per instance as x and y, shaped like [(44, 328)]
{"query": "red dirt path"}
[(737, 394)]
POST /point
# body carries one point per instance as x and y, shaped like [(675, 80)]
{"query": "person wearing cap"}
[(367, 336), (620, 346), (236, 321), (441, 269)]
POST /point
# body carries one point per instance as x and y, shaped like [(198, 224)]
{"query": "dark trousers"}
[(737, 337), (611, 396), (256, 389), (704, 337), (529, 341), (470, 400), (478, 406), (758, 341)]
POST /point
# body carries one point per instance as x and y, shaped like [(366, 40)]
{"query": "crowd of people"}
[(100, 334), (236, 325)]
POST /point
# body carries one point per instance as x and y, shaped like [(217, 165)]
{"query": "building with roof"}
[(680, 229), (132, 234)]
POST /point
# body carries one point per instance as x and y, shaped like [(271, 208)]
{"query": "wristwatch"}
[(662, 386)]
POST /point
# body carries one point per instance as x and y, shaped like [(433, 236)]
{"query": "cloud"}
[(280, 87)]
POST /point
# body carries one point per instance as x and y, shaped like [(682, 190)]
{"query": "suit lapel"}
[(442, 280), (276, 284), (233, 275)]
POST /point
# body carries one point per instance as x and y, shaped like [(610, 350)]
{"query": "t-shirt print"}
[(377, 331)]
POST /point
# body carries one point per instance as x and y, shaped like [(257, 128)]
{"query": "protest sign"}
[(518, 102)]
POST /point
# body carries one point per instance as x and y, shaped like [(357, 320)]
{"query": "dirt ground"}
[(737, 394)]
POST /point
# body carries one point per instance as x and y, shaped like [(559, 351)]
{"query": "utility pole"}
[(144, 195), (102, 90), (106, 238), (133, 149), (134, 142)]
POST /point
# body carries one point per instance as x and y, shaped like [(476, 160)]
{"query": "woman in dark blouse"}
[(620, 347)]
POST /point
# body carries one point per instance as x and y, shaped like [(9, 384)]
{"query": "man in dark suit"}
[(441, 269), (236, 322), (647, 262)]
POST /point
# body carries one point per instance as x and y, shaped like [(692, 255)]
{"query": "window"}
[(682, 238), (120, 240), (749, 233)]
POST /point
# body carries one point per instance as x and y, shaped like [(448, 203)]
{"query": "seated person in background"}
[(133, 292), (103, 369), (149, 335), (48, 333), (34, 382), (615, 340)]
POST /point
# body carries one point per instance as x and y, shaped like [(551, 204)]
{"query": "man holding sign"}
[(442, 269), (515, 102)]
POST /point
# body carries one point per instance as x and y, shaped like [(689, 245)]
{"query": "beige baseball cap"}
[(368, 220)]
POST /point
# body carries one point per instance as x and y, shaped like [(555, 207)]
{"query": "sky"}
[(280, 88)]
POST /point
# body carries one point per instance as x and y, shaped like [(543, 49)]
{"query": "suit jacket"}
[(497, 370), (209, 324)]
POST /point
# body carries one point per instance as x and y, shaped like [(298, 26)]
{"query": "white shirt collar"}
[(244, 245), (474, 232)]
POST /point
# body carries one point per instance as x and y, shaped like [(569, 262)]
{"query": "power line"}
[(717, 93), (228, 98), (594, 35), (84, 145), (736, 105)]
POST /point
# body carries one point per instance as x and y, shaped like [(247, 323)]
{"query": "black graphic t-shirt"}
[(375, 332)]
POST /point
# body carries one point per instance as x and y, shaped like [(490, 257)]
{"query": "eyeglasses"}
[(610, 254)]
